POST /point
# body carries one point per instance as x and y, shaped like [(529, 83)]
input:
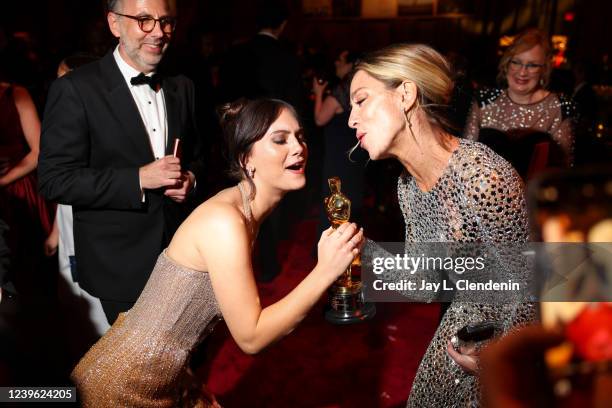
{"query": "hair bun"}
[(228, 112)]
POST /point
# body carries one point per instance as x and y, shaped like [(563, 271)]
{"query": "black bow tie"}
[(154, 81)]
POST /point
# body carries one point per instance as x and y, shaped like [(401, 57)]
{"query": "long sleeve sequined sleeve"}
[(373, 250), (497, 194)]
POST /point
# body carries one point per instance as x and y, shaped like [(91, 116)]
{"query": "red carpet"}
[(371, 364)]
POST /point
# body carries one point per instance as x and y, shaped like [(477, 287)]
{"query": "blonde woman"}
[(452, 190), (523, 104)]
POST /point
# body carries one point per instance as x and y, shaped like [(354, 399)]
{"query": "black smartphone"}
[(477, 332)]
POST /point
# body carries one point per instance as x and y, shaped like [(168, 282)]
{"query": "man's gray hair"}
[(112, 5)]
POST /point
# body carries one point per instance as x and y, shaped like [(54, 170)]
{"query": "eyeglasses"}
[(532, 68), (147, 23)]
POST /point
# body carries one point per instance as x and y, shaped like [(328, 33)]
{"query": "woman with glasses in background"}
[(525, 105)]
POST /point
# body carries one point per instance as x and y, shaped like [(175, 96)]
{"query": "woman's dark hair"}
[(243, 123)]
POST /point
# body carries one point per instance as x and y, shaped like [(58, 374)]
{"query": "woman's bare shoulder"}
[(23, 100), (216, 221), (220, 211), (21, 94), (213, 228)]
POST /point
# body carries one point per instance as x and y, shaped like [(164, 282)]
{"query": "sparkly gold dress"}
[(555, 115), (143, 359)]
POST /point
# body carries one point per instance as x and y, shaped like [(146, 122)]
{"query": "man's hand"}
[(179, 193), (164, 172)]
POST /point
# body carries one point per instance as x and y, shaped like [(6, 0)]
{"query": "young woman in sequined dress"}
[(206, 273)]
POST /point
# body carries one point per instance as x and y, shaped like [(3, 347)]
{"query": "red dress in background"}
[(21, 207)]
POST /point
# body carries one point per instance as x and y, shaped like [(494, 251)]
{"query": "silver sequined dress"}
[(142, 360), (479, 198), (555, 115)]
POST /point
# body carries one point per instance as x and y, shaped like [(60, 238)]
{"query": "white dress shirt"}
[(151, 105)]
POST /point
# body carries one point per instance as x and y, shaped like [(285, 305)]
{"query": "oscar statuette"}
[(346, 304)]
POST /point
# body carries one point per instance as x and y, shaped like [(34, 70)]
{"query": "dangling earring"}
[(250, 172), (408, 116), (542, 82)]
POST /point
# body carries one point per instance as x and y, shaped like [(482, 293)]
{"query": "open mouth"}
[(297, 167)]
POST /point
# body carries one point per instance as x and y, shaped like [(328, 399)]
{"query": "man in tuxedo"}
[(107, 149), (264, 66)]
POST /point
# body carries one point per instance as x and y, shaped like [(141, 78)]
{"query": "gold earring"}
[(406, 113)]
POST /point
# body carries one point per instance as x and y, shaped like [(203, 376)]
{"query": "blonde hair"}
[(525, 41), (422, 65)]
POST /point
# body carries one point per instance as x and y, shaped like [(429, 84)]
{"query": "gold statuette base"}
[(346, 305)]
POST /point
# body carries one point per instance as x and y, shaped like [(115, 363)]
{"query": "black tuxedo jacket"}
[(263, 67), (92, 144)]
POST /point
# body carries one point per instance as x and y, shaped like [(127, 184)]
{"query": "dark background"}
[(57, 28)]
